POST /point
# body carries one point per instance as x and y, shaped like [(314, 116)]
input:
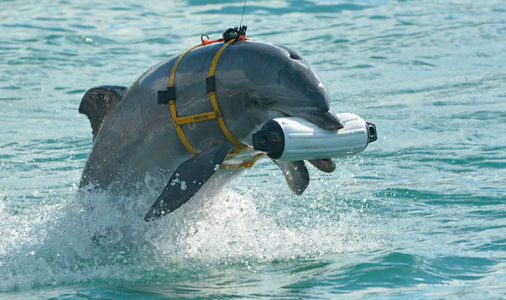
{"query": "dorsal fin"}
[(98, 102)]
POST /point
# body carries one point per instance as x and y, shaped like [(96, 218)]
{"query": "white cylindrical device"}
[(293, 138)]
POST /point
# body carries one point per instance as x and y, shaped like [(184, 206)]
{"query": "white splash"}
[(105, 238)]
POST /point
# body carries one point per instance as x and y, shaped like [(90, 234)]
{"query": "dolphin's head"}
[(267, 81)]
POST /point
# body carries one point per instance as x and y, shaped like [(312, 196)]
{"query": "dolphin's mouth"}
[(324, 120)]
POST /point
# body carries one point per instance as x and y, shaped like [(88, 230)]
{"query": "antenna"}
[(238, 33), (243, 9)]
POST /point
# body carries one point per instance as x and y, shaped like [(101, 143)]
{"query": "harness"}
[(169, 97)]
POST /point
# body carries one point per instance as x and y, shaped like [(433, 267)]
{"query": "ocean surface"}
[(420, 214)]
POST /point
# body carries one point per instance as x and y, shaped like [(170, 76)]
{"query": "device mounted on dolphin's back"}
[(293, 139)]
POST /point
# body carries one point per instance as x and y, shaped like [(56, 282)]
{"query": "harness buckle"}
[(165, 96), (210, 84)]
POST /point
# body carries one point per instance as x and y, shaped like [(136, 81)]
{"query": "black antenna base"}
[(234, 33)]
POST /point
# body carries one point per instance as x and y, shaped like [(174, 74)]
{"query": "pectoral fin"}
[(296, 175), (189, 177), (325, 165)]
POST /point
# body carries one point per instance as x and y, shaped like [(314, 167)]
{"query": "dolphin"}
[(134, 135)]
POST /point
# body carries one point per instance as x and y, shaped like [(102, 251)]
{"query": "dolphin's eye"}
[(256, 101)]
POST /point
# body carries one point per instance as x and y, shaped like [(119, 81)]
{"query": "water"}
[(420, 214)]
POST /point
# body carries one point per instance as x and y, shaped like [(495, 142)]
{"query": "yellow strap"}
[(172, 78), (179, 130), (214, 102), (172, 104), (216, 114), (196, 118), (246, 165), (216, 58)]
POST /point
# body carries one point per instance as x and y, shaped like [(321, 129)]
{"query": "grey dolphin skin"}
[(134, 136)]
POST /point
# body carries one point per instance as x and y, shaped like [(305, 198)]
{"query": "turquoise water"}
[(420, 214)]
